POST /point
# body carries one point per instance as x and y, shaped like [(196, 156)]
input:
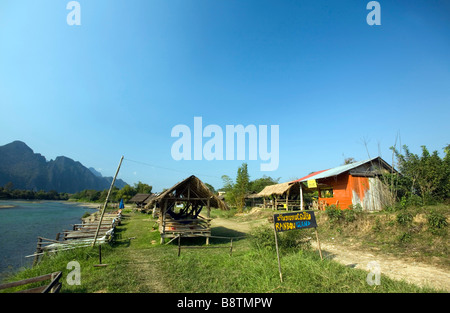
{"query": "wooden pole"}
[(278, 254), (38, 251), (301, 196), (208, 214), (163, 221), (287, 200), (318, 243), (179, 245), (106, 202)]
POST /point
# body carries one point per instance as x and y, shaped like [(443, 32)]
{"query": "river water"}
[(21, 222)]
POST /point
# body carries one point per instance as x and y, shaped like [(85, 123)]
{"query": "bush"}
[(263, 238), (333, 212), (352, 212), (404, 237), (404, 218), (436, 222)]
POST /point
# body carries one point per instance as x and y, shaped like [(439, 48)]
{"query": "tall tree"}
[(241, 186), (235, 192), (426, 175)]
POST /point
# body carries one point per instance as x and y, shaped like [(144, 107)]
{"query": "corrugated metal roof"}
[(335, 171)]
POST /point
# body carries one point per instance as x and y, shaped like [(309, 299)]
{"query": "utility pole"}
[(106, 202)]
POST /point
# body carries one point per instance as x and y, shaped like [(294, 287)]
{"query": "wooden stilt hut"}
[(179, 208), (285, 196)]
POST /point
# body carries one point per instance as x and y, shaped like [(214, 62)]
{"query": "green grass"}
[(137, 265)]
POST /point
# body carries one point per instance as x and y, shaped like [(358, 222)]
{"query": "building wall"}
[(349, 190)]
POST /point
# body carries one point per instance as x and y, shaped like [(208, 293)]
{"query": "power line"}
[(168, 168)]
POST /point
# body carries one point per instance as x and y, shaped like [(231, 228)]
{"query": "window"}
[(326, 193)]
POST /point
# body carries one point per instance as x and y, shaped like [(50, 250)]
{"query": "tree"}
[(349, 160), (259, 184), (242, 186), (235, 192), (210, 187), (142, 188), (426, 175), (126, 193), (228, 188)]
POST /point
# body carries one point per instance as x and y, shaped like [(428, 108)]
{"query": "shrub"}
[(352, 212), (404, 237), (436, 222), (404, 218), (333, 212), (263, 238)]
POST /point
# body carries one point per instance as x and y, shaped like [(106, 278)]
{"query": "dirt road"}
[(417, 273), (400, 269)]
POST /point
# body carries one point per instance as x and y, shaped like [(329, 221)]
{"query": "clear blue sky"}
[(118, 83)]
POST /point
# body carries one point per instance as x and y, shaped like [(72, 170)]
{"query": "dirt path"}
[(411, 271), (150, 279), (399, 269)]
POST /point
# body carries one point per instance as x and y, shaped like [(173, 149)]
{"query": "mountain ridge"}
[(31, 171)]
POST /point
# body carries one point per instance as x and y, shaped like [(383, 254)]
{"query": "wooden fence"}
[(53, 287)]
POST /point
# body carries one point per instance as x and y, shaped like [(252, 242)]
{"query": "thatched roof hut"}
[(192, 189), (285, 194), (140, 199), (179, 209), (280, 189)]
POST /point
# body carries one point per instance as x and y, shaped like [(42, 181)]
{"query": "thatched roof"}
[(280, 189), (191, 187), (140, 197)]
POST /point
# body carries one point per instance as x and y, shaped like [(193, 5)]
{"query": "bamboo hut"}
[(140, 199), (286, 195), (179, 207)]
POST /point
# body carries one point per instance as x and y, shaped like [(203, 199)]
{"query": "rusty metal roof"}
[(343, 168)]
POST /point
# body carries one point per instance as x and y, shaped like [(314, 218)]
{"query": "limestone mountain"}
[(31, 171)]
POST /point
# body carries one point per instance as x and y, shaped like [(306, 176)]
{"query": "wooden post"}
[(287, 200), (301, 196), (179, 245), (231, 247), (38, 250), (106, 202), (163, 221), (278, 254), (208, 214), (318, 243)]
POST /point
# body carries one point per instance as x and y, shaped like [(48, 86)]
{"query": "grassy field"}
[(138, 263)]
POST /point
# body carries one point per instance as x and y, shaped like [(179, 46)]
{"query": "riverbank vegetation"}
[(8, 193), (137, 262)]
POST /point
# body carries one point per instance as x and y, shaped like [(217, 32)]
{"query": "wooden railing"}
[(53, 287)]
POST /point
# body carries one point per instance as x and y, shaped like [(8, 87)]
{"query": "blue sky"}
[(118, 83)]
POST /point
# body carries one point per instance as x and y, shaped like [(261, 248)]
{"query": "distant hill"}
[(31, 171)]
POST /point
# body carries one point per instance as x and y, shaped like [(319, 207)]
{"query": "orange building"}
[(351, 184)]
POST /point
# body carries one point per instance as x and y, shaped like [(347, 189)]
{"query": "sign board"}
[(294, 220), (311, 183), (291, 221)]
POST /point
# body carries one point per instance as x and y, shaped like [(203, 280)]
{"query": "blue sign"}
[(294, 220)]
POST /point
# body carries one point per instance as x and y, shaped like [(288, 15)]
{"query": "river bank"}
[(22, 221)]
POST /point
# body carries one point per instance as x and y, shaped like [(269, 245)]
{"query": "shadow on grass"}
[(219, 235)]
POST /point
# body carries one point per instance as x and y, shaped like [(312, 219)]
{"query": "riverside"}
[(21, 222)]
